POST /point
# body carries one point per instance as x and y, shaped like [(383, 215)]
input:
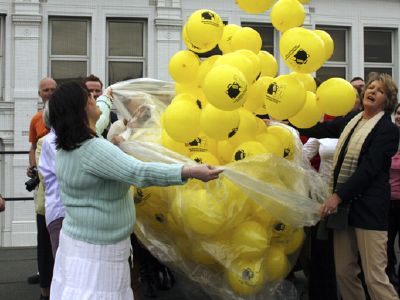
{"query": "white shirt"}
[(325, 148), (47, 167)]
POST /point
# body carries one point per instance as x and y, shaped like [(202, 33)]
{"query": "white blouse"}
[(325, 148)]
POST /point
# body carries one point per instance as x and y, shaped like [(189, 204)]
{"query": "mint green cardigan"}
[(94, 181)]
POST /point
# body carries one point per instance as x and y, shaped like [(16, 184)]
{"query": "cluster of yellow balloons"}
[(212, 120), (220, 228)]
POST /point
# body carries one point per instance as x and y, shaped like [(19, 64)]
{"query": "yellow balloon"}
[(328, 42), (181, 120), (183, 66), (285, 137), (276, 264), (195, 48), (271, 143), (225, 41), (239, 61), (248, 149), (246, 277), (185, 88), (336, 97), (255, 96), (255, 62), (176, 210), (205, 158), (202, 213), (250, 239), (262, 127), (204, 28), (286, 14), (302, 50), (190, 96), (309, 115), (205, 66), (307, 80), (255, 6), (225, 87), (269, 66), (217, 123), (225, 150), (247, 129), (151, 206), (304, 1), (285, 96), (202, 256), (173, 145), (246, 38)]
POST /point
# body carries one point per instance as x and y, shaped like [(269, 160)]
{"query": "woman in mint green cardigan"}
[(94, 178)]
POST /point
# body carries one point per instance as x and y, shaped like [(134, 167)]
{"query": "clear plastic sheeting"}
[(236, 237)]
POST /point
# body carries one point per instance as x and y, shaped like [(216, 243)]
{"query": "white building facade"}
[(119, 39)]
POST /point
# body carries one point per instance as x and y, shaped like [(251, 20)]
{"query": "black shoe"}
[(34, 279), (44, 297)]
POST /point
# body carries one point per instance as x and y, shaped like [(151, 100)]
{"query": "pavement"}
[(17, 264)]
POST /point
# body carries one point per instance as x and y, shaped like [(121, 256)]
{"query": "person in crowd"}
[(2, 203), (94, 177), (37, 130), (104, 102), (358, 83), (394, 212), (54, 207), (358, 208)]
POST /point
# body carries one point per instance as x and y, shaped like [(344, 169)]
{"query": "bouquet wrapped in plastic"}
[(238, 236)]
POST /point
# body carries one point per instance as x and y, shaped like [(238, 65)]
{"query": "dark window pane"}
[(377, 70), (125, 39), (338, 36), (119, 71), (63, 71), (325, 73), (69, 37), (267, 35), (377, 46)]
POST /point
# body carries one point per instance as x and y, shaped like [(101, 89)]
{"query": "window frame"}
[(381, 65), (141, 59), (72, 58)]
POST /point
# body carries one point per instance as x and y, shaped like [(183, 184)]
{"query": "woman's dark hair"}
[(68, 115)]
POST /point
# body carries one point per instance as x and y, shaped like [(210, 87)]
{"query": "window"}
[(378, 50), (337, 65), (69, 48), (267, 33), (126, 53)]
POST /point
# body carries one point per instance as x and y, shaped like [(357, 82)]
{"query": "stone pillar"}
[(168, 26), (26, 44)]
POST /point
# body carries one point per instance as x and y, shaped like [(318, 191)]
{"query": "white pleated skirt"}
[(84, 271)]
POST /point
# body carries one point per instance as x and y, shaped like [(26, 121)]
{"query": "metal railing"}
[(15, 198)]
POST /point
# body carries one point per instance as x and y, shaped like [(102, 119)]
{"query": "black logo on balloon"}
[(233, 90), (195, 142), (198, 160), (247, 274), (240, 154), (301, 57), (233, 132), (138, 196), (199, 105), (160, 218), (286, 152), (279, 227), (272, 88), (207, 15)]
